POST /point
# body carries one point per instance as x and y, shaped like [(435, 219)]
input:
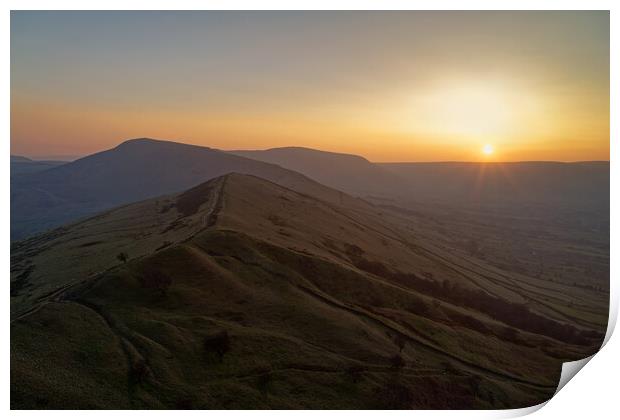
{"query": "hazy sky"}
[(392, 86)]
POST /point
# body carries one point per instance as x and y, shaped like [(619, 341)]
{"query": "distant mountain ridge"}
[(44, 197), (17, 159), (351, 173), (21, 165), (134, 170)]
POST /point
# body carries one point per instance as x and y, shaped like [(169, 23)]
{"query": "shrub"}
[(353, 250), (218, 343), (400, 342), (122, 257)]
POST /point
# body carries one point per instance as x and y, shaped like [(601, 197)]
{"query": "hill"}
[(134, 170), (351, 173), (143, 168), (19, 159), (22, 165), (242, 293), (544, 186)]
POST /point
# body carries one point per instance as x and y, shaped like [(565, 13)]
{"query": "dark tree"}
[(122, 257), (218, 343), (400, 342)]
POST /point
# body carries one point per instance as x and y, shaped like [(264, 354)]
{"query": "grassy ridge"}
[(243, 294)]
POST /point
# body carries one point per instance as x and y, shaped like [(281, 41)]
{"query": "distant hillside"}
[(547, 186), (45, 195), (21, 165), (580, 186), (134, 170), (17, 159), (240, 286), (350, 173)]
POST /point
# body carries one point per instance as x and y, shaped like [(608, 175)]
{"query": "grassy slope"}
[(309, 326)]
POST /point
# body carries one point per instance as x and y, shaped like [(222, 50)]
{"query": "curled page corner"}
[(613, 317), (520, 412), (569, 370)]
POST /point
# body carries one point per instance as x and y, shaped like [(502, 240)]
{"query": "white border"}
[(592, 395)]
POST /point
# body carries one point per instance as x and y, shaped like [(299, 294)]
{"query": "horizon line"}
[(78, 157)]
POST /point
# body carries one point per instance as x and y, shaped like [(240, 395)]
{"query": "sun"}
[(488, 149)]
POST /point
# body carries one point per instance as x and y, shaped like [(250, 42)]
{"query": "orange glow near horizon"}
[(482, 90), (64, 129)]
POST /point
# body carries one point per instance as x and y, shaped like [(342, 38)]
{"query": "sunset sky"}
[(391, 86)]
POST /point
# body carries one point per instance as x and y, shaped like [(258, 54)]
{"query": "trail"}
[(209, 218), (420, 342), (210, 215)]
